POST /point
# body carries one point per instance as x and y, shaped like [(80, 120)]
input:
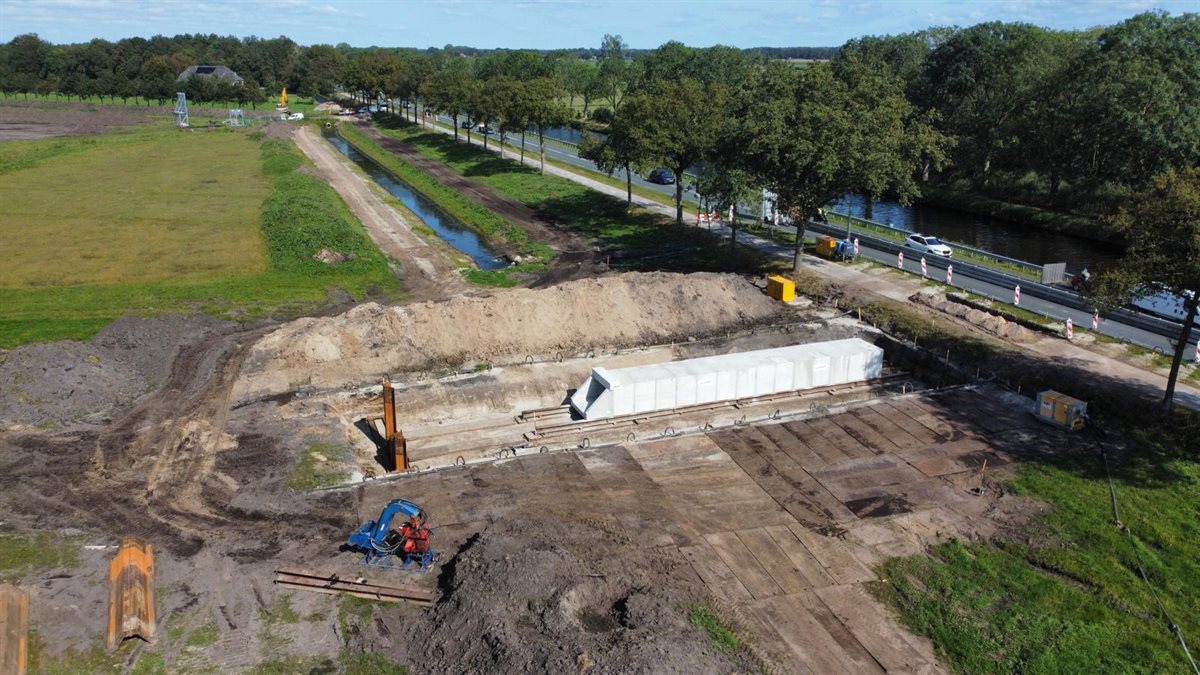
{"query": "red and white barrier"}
[(1070, 329), (924, 270), (1096, 321), (900, 260), (856, 247), (1017, 296), (949, 274)]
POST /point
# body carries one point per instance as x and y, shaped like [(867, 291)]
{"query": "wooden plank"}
[(902, 420), (833, 556), (715, 574), (868, 475), (841, 439), (864, 433), (734, 553), (814, 439), (795, 448), (774, 560), (921, 415), (865, 619), (887, 428), (807, 635), (844, 638), (800, 556), (811, 647), (14, 630), (808, 499)]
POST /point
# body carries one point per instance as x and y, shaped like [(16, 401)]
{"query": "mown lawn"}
[(1072, 601), (161, 221), (638, 238)]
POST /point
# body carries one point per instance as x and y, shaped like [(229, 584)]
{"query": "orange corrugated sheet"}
[(131, 599), (14, 630)]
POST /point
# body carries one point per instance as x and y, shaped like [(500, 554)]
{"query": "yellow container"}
[(781, 288), (826, 246), (1061, 410)]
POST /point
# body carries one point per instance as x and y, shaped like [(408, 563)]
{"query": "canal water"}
[(446, 226), (998, 236)]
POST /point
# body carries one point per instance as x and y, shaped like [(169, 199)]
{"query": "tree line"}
[(1085, 121)]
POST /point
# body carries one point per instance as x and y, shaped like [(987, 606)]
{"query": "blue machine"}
[(379, 542)]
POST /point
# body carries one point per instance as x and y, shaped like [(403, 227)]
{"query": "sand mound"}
[(619, 310)]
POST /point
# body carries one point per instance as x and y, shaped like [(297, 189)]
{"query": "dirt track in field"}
[(427, 270), (539, 229)]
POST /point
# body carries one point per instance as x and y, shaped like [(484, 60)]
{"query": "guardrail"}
[(862, 222), (1067, 298)]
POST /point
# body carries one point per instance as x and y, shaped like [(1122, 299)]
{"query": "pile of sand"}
[(613, 311), (991, 323)]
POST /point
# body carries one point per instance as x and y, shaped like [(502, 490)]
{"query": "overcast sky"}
[(547, 24)]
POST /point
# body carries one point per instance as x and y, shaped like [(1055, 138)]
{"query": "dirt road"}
[(427, 270)]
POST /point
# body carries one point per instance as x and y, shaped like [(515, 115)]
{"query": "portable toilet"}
[(1060, 410)]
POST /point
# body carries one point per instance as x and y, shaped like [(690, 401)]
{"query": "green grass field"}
[(153, 221), (1075, 602), (90, 211)]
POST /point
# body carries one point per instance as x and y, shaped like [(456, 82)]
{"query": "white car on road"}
[(926, 244)]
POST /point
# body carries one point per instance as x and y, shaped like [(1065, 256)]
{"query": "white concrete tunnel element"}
[(627, 391)]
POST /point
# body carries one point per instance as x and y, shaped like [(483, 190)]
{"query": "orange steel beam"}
[(14, 630), (131, 599), (393, 436)]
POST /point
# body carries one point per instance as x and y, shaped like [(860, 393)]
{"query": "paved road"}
[(961, 278)]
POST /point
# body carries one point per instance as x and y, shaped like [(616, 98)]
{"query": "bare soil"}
[(30, 120), (619, 310), (68, 383)]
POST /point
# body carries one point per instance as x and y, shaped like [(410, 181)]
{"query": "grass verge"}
[(1078, 606), (637, 238), (721, 637), (484, 221), (296, 215)]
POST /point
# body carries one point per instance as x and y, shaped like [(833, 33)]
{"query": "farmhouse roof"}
[(219, 72)]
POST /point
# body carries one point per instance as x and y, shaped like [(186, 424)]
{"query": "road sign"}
[(1017, 296), (1070, 329), (949, 274), (900, 260), (924, 270)]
